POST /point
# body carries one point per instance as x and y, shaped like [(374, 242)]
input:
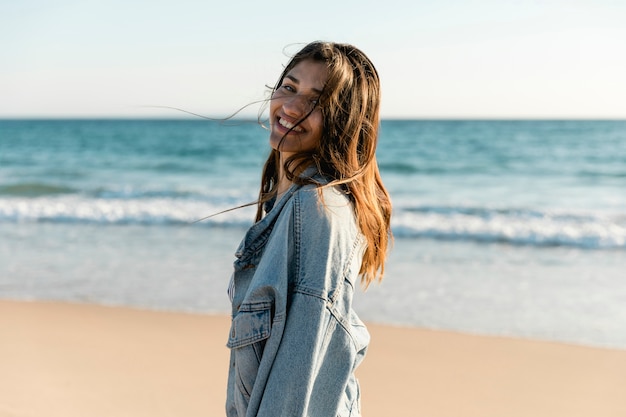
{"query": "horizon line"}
[(255, 119)]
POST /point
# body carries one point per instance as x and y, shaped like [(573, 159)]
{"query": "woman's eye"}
[(289, 88)]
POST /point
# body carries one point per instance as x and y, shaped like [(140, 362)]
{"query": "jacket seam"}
[(302, 289), (297, 218), (329, 305)]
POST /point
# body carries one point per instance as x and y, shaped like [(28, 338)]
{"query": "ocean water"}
[(512, 228)]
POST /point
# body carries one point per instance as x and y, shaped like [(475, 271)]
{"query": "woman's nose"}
[(295, 106)]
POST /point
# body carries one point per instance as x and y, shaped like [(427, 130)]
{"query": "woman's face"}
[(293, 100)]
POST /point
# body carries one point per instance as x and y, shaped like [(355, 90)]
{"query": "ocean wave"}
[(110, 211), (532, 227), (513, 226)]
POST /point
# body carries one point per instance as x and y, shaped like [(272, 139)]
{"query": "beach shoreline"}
[(62, 359)]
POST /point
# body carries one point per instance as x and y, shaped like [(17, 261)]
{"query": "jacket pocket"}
[(248, 333)]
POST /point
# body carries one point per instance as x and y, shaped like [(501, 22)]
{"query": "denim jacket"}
[(295, 340)]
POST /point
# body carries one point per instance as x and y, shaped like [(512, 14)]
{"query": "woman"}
[(322, 222)]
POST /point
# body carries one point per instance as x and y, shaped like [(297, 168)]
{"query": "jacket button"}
[(232, 333)]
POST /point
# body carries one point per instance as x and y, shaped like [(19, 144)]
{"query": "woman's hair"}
[(346, 153)]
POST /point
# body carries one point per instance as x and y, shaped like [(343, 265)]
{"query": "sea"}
[(513, 228)]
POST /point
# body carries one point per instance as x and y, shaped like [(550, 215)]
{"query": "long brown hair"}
[(346, 153)]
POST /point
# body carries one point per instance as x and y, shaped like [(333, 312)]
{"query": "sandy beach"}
[(84, 360)]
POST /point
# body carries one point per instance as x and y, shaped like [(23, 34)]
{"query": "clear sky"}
[(437, 58)]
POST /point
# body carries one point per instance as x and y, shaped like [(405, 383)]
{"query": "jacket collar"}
[(259, 232)]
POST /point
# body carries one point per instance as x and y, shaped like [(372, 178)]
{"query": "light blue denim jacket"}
[(295, 340)]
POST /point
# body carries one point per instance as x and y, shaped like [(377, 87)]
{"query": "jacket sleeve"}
[(318, 350)]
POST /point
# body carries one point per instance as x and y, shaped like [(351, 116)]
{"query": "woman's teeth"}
[(289, 126)]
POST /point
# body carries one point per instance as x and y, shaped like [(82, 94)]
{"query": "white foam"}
[(591, 231), (148, 211), (520, 227)]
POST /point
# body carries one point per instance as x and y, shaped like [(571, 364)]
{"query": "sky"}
[(436, 59)]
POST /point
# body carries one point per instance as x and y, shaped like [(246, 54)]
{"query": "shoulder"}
[(319, 195), (325, 203), (323, 214)]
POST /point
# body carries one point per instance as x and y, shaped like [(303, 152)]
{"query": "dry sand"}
[(70, 360)]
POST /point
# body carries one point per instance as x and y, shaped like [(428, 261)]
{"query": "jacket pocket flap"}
[(252, 323)]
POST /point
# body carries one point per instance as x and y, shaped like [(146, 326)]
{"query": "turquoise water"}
[(502, 227)]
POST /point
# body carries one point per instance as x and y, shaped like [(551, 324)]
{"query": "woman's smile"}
[(289, 126)]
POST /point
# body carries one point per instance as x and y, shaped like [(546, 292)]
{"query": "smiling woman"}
[(296, 120), (322, 223)]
